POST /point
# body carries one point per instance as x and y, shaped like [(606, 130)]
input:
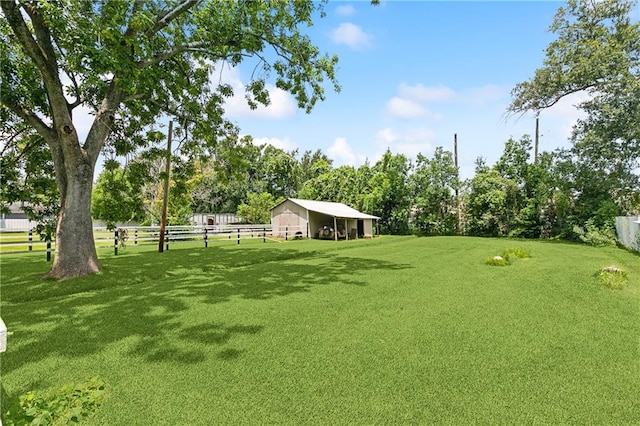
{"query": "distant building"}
[(320, 219), (15, 219)]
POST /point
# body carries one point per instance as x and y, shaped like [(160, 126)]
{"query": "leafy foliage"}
[(68, 405), (596, 236), (257, 210), (116, 198)]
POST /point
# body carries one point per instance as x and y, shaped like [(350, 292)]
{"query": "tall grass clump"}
[(613, 277), (508, 256)]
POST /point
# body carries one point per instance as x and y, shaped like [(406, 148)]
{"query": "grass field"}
[(396, 330)]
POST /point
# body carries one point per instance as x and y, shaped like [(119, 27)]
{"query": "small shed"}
[(320, 219)]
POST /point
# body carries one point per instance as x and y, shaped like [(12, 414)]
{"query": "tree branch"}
[(36, 122), (20, 29), (198, 46), (164, 20), (43, 38), (105, 117)]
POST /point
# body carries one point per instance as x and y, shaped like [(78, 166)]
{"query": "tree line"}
[(556, 195)]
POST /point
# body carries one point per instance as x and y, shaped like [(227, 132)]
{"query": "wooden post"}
[(238, 235), (48, 250), (206, 242), (135, 237), (335, 228), (286, 233), (165, 196), (264, 235), (30, 240), (115, 242)]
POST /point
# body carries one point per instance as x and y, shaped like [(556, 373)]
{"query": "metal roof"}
[(338, 210)]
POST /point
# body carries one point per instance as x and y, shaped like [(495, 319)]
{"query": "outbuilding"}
[(320, 219)]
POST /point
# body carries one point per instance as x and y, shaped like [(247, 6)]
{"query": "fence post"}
[(48, 250), (115, 242), (30, 240), (286, 233), (166, 233), (264, 234), (135, 238), (206, 242), (238, 236)]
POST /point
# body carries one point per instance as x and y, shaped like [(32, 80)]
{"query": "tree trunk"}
[(75, 253)]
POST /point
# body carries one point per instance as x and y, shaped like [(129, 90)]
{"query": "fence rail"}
[(25, 240)]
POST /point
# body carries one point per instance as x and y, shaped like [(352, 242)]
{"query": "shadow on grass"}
[(145, 298)]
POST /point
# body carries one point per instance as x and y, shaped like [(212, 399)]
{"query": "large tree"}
[(130, 63), (596, 53)]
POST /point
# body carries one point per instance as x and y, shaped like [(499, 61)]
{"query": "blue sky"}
[(413, 73)]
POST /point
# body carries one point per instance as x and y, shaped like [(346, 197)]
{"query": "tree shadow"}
[(146, 297)]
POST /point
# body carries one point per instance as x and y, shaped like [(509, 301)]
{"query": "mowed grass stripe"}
[(394, 330)]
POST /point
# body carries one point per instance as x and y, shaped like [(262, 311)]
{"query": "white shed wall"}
[(289, 218), (628, 231)]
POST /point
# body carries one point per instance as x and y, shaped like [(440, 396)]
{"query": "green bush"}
[(613, 277), (66, 406), (592, 235)]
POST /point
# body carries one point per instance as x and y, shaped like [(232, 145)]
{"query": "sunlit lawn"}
[(396, 330)]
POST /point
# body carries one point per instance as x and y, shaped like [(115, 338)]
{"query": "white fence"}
[(628, 229), (23, 241)]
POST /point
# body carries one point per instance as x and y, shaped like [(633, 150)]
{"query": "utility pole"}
[(457, 188), (165, 195), (537, 140)]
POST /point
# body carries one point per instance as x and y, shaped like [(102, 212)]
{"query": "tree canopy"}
[(131, 63)]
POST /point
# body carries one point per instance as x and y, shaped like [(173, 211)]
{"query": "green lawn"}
[(396, 330)]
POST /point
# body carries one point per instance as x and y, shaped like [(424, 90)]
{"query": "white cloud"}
[(342, 154), (345, 10), (351, 35), (422, 93), (281, 103), (284, 144), (405, 108), (409, 143)]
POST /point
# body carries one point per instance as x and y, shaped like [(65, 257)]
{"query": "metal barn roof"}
[(338, 210)]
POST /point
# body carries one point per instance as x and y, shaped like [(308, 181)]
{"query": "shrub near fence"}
[(25, 241)]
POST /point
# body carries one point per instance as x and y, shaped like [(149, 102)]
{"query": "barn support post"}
[(346, 228), (335, 228), (308, 226)]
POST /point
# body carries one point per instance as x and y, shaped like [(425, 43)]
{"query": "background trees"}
[(597, 52)]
